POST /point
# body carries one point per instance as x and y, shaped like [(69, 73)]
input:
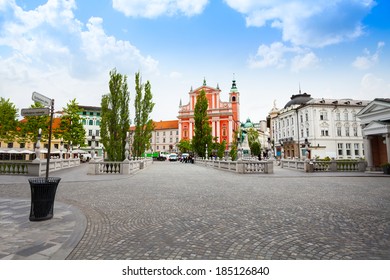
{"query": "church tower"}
[(234, 98)]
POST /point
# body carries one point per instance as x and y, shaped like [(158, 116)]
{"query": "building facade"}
[(318, 128), (91, 118), (224, 117), (375, 119), (165, 137)]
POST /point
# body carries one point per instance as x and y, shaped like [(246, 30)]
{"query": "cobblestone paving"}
[(184, 211)]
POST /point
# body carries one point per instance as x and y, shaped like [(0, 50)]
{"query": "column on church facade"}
[(218, 131), (388, 146), (230, 132), (190, 130)]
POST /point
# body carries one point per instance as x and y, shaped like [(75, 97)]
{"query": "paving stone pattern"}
[(184, 211)]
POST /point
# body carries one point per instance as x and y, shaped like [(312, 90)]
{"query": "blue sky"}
[(65, 49)]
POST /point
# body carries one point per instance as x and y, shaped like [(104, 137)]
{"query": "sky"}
[(65, 49)]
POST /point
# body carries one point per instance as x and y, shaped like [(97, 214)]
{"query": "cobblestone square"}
[(172, 210)]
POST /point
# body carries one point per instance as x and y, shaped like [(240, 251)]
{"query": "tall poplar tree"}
[(115, 118), (143, 105), (202, 128)]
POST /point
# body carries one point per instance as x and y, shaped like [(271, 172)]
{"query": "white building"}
[(91, 118), (318, 128)]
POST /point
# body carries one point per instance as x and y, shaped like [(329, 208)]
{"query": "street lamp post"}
[(93, 147)]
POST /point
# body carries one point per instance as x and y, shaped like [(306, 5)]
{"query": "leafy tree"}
[(255, 148), (184, 146), (143, 123), (202, 128), (8, 120), (30, 125), (115, 119), (71, 127), (221, 149)]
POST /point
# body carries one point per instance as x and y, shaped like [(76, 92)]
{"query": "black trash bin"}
[(43, 192)]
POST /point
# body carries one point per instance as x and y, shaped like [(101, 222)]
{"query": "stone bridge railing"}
[(326, 166), (243, 166), (117, 167), (35, 168)]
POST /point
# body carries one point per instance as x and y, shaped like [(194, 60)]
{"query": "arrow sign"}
[(41, 98), (34, 111)]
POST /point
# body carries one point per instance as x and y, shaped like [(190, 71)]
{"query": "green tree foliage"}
[(255, 148), (184, 146), (115, 119), (221, 149), (30, 125), (202, 128), (143, 105), (8, 120), (71, 127)]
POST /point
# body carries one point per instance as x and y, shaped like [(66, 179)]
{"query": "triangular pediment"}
[(206, 89), (374, 128), (375, 106)]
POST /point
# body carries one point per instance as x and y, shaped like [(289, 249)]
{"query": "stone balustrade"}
[(325, 166), (117, 167), (35, 168), (243, 166)]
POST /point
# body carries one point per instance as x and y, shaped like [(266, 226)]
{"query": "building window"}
[(164, 133), (340, 149), (177, 132), (98, 114), (84, 113), (158, 148), (55, 146), (346, 116), (164, 140), (90, 122), (97, 132), (347, 131), (307, 132), (323, 116), (292, 120), (170, 140), (355, 131), (10, 145), (22, 145), (348, 149), (84, 121), (89, 143), (356, 148), (224, 131), (177, 139), (301, 118), (302, 133), (97, 122), (337, 116), (324, 132), (170, 132), (339, 131), (307, 117), (90, 132), (91, 113), (354, 116)]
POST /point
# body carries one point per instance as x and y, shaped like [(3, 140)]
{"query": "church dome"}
[(248, 123), (298, 99)]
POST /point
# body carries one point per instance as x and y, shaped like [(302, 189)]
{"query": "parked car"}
[(172, 157), (85, 157)]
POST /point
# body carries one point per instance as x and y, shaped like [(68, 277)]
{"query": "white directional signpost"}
[(29, 112), (49, 103)]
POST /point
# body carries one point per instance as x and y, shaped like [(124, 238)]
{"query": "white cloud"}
[(278, 55), (49, 38), (374, 86), (175, 75), (368, 60), (307, 23), (305, 61), (155, 8)]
